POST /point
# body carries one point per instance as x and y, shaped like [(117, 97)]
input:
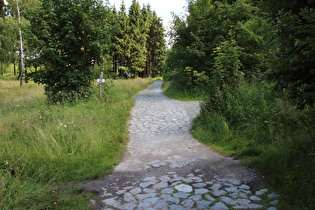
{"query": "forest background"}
[(250, 61)]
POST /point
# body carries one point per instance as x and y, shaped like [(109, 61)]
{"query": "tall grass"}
[(45, 145), (254, 124), (178, 91)]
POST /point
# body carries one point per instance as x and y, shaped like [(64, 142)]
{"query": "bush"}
[(251, 122)]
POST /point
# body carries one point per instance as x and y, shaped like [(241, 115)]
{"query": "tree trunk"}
[(14, 68), (21, 45)]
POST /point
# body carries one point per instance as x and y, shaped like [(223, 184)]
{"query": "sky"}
[(163, 8)]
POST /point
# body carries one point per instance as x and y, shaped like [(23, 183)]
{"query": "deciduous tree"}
[(293, 66), (8, 42), (69, 37)]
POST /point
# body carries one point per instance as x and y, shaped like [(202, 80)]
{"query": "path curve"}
[(164, 167)]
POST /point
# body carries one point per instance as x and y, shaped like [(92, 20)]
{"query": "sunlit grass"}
[(60, 143), (12, 93)]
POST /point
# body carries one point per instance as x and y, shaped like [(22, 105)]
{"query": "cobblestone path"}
[(166, 168)]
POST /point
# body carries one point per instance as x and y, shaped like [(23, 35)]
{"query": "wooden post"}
[(101, 84)]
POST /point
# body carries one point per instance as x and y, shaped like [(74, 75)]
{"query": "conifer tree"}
[(146, 19), (2, 12), (137, 40), (155, 46), (122, 46)]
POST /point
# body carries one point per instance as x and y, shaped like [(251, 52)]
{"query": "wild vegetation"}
[(58, 130), (68, 44), (252, 62), (45, 146)]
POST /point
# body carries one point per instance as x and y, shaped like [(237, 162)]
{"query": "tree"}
[(8, 42), (22, 65), (17, 9), (69, 38), (137, 39), (155, 46), (122, 43), (139, 42), (293, 67), (214, 24), (2, 10)]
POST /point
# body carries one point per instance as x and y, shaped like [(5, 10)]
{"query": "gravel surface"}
[(164, 167)]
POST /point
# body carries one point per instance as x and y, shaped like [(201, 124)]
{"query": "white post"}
[(101, 82)]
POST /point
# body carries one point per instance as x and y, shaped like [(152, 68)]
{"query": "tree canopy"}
[(221, 42), (69, 38), (66, 43), (139, 43), (293, 66)]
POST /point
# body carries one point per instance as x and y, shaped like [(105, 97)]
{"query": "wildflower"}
[(63, 125)]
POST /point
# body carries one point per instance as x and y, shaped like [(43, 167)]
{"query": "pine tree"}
[(137, 40), (146, 19), (2, 10), (155, 46), (122, 46)]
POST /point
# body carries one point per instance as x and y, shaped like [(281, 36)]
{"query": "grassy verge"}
[(267, 132), (175, 91), (44, 146)]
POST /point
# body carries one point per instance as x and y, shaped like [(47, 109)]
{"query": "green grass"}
[(266, 132), (175, 91), (157, 78), (44, 146)]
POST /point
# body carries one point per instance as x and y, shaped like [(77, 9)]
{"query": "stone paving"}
[(172, 191), (166, 168)]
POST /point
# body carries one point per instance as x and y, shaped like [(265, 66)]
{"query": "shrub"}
[(251, 122)]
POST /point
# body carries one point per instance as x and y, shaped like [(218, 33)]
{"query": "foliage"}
[(155, 46), (227, 65), (137, 44), (132, 43), (2, 11), (121, 52), (252, 123), (245, 57), (214, 26), (177, 92), (293, 67), (45, 146), (140, 44), (8, 42), (69, 38)]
